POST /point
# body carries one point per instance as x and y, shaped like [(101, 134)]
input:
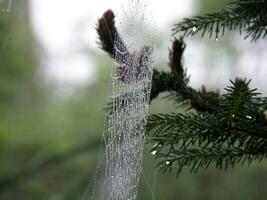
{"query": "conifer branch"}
[(233, 126), (174, 82), (195, 158), (226, 129), (246, 16)]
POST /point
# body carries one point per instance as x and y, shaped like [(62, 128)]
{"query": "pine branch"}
[(174, 82), (227, 129), (196, 159), (108, 33), (186, 130), (234, 125), (247, 16), (239, 103)]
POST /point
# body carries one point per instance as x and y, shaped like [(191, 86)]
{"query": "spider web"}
[(126, 117), (124, 139), (125, 134)]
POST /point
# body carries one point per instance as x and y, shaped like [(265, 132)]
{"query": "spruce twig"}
[(225, 130), (246, 16), (175, 82)]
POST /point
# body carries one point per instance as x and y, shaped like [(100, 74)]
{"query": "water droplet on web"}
[(130, 95), (158, 145), (153, 152), (248, 117), (194, 29), (168, 162), (216, 39)]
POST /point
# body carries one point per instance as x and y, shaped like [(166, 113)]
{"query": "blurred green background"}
[(49, 145)]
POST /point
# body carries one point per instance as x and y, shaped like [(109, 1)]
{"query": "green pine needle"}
[(246, 16)]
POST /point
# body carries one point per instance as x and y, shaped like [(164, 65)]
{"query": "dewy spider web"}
[(127, 117), (124, 138)]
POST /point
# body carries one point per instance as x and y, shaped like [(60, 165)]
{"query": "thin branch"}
[(246, 16), (175, 82), (35, 168)]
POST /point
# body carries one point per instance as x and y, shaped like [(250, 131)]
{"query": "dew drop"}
[(194, 29), (168, 162), (248, 117), (158, 145), (216, 39), (153, 152)]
